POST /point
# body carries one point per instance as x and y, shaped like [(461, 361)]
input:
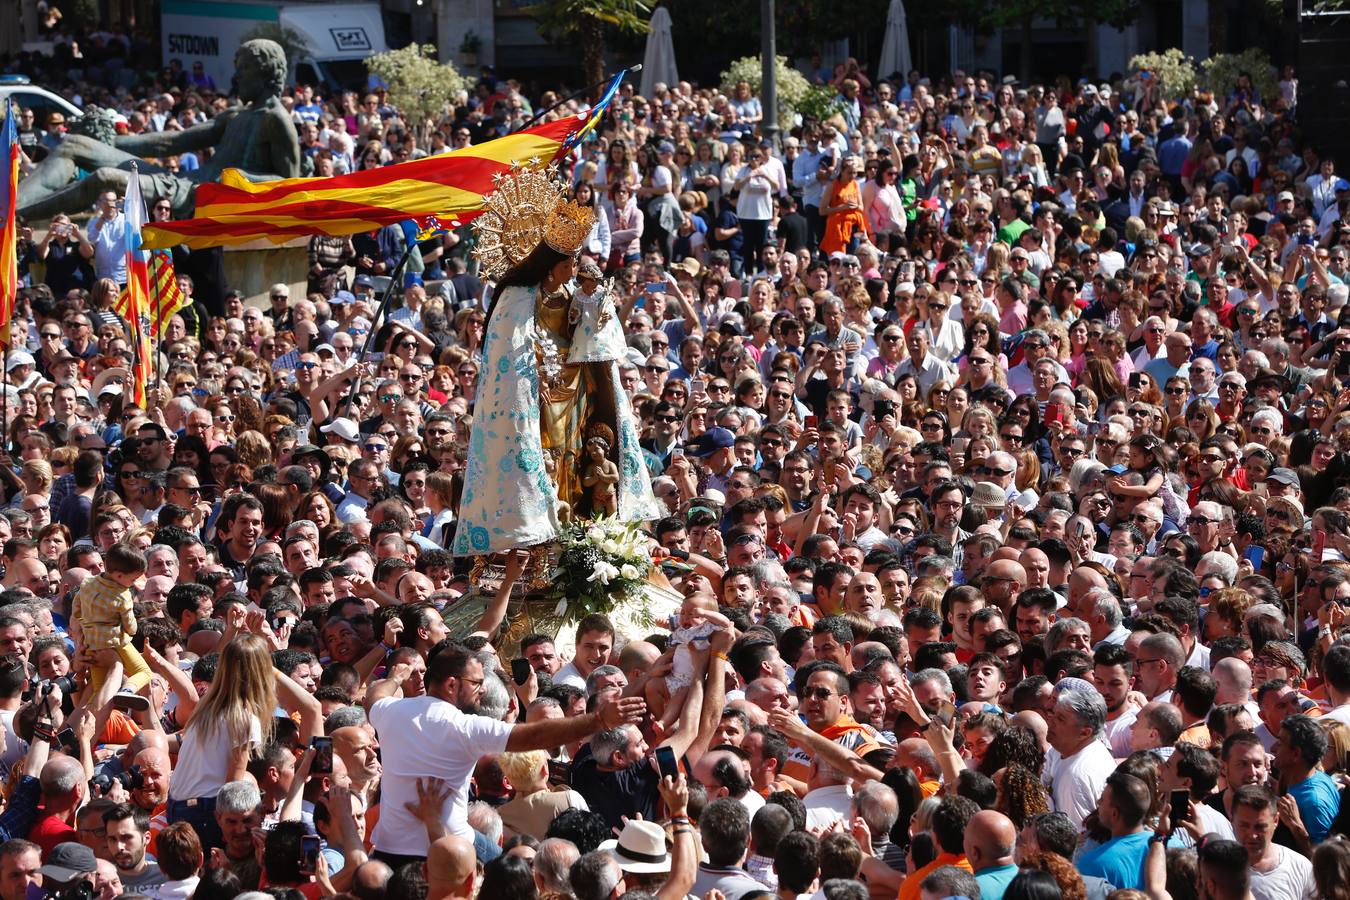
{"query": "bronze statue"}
[(257, 138)]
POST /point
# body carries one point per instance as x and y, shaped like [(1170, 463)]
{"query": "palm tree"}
[(583, 22)]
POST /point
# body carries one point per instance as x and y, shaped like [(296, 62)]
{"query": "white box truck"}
[(339, 37)]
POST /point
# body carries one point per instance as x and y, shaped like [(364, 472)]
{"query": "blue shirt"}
[(804, 169), (994, 880), (110, 247), (1318, 801), (1172, 154), (1119, 861)]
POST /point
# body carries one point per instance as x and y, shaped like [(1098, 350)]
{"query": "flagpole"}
[(159, 312), (631, 70)]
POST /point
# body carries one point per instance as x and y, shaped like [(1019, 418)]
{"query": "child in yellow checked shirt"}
[(103, 617)]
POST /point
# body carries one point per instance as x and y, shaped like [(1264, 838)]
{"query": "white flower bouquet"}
[(601, 564)]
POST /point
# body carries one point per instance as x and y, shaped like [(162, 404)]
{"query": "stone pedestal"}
[(254, 267)]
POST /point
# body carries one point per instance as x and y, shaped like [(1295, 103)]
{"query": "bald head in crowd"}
[(451, 869)]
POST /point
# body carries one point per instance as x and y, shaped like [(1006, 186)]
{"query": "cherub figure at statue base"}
[(599, 474)]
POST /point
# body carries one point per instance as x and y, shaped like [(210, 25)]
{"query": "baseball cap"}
[(709, 442), (19, 358), (342, 298), (364, 281), (1284, 195), (1285, 476), (325, 347), (69, 861), (343, 428)]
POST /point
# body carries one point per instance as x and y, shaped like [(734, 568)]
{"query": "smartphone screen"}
[(1255, 555), (698, 386), (666, 762), (1181, 807), (309, 854), (520, 671), (323, 756), (654, 287)]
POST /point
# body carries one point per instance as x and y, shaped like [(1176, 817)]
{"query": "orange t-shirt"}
[(909, 888), (121, 728)]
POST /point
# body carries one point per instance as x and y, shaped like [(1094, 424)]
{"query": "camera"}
[(131, 779), (80, 890), (44, 687)]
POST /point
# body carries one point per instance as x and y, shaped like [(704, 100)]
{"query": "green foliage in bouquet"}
[(601, 565)]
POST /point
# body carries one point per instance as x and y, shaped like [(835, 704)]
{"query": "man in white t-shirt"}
[(1278, 873), (595, 641), (1079, 762), (440, 735), (1336, 675)]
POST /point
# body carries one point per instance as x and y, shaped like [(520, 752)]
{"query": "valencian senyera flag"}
[(448, 187), (138, 287), (9, 234), (165, 297)]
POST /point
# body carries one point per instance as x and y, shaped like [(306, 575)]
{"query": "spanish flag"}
[(9, 233), (165, 297), (448, 187), (138, 287)]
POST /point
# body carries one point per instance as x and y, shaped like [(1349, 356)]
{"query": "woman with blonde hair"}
[(1028, 476), (996, 260), (1336, 761), (979, 422), (36, 475), (233, 718), (1058, 333), (534, 806), (253, 449)]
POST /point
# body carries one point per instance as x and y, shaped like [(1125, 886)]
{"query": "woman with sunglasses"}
[(891, 353), (934, 428), (1283, 518)]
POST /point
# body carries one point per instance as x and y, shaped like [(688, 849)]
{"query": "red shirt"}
[(48, 831)]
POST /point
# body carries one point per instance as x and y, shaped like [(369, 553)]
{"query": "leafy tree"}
[(422, 88), (1173, 69), (1221, 73), (582, 24)]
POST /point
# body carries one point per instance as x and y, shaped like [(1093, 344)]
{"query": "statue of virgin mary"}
[(535, 406)]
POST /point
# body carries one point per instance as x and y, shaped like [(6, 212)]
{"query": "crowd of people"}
[(1001, 435)]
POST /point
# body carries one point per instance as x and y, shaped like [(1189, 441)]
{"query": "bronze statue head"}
[(261, 68)]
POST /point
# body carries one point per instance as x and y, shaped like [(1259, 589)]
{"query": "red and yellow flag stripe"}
[(9, 244), (449, 187)]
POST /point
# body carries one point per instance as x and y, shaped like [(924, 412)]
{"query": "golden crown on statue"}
[(527, 208), (569, 227)]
